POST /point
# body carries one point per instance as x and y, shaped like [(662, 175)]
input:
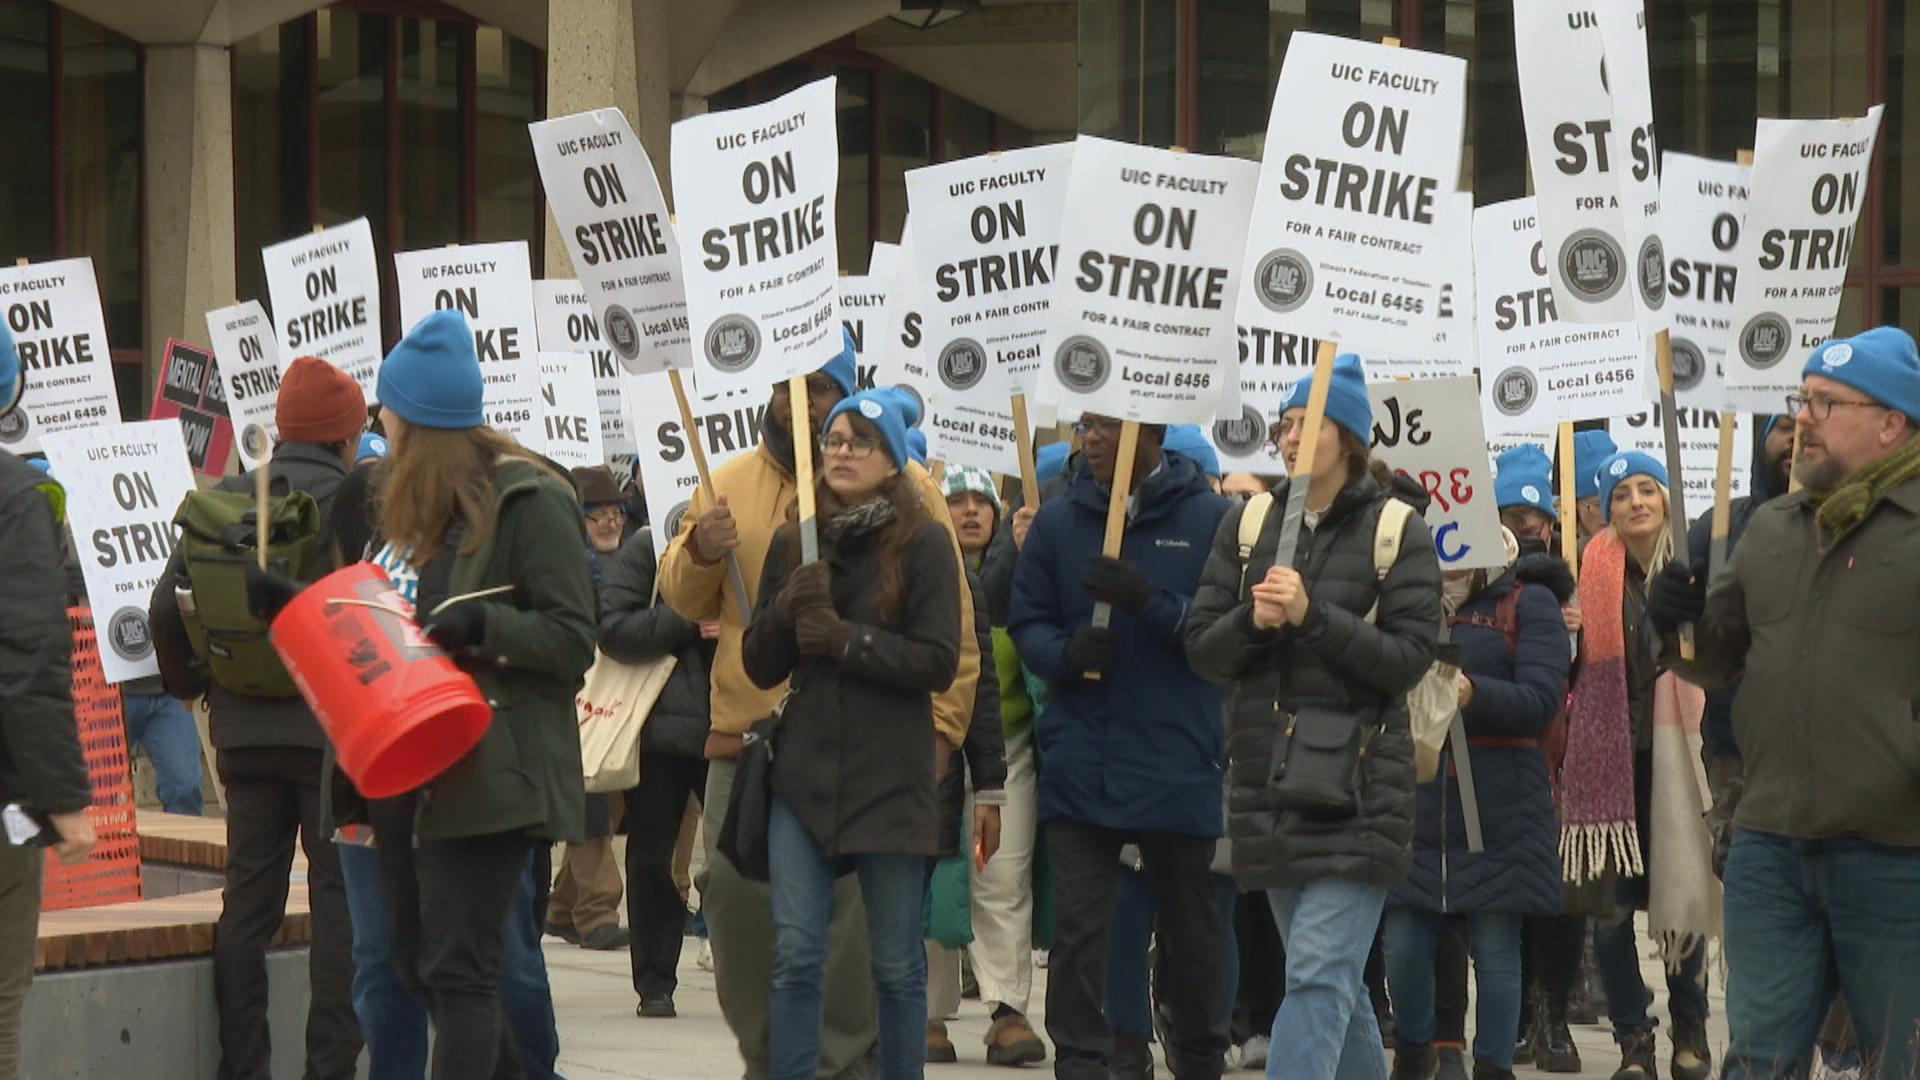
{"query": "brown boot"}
[(1011, 1041), (940, 1049)]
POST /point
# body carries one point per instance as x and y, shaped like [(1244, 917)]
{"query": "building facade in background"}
[(170, 139)]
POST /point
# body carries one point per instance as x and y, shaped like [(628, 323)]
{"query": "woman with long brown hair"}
[(867, 633), (484, 539)]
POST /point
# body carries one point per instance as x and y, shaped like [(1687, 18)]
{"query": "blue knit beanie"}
[(1621, 466), (13, 384), (1188, 441), (887, 409), (917, 446), (432, 378), (841, 369), (1050, 461), (1523, 476), (1347, 401), (1590, 448), (371, 446), (1880, 363)]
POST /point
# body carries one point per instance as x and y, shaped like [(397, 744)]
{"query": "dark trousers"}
[(1085, 862), (273, 798), (467, 887), (1263, 967), (656, 914), (1551, 948), (1450, 982)]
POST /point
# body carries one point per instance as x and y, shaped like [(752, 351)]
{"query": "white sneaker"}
[(1253, 1056), (1040, 959), (704, 960), (1234, 1056)]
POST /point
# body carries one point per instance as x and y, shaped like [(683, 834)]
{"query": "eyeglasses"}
[(859, 447), (1821, 406), (610, 516), (1106, 425)]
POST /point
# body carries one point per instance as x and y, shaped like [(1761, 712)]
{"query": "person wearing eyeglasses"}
[(1815, 614), (1131, 741)]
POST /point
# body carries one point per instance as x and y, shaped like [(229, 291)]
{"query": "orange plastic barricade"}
[(112, 874)]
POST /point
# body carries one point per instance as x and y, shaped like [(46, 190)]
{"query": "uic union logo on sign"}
[(962, 364), (1283, 280), (1689, 365), (1081, 364), (1242, 435), (733, 343), (13, 426), (1514, 391), (1653, 273), (1764, 340), (673, 517), (1593, 265), (255, 440), (128, 636), (622, 334)]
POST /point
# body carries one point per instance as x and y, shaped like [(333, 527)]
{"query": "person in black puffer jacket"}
[(1514, 663), (636, 628), (1302, 635)]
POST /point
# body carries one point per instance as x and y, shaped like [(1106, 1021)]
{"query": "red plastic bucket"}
[(397, 709)]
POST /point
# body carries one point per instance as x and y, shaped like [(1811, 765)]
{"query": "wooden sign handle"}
[(801, 423), (1316, 411), (735, 578), (1569, 501), (1676, 479), (1723, 487), (1117, 513), (262, 517), (1023, 440)]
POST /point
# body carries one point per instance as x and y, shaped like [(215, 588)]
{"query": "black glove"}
[(1089, 651), (820, 631), (268, 592), (460, 626), (809, 586), (1109, 581), (1677, 594)]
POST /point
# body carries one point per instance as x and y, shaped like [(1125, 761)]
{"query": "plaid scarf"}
[(1846, 506)]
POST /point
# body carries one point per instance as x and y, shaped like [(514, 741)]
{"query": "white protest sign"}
[(492, 285), (53, 311), (325, 291), (248, 361), (1272, 361), (566, 324), (1809, 179), (1593, 158), (862, 299), (1703, 203), (1453, 350), (730, 424), (1536, 368), (755, 191), (985, 251), (571, 412), (1141, 324), (606, 198), (1429, 430), (884, 259), (1699, 449), (124, 484), (1500, 442), (896, 355), (1363, 151)]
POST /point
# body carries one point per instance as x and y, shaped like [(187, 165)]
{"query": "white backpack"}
[(1433, 701)]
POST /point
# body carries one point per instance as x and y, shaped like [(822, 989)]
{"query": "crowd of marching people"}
[(944, 737)]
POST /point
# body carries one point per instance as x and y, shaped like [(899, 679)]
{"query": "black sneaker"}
[(1415, 1061), (655, 1007), (1637, 1058), (1487, 1070), (564, 931), (1692, 1058), (606, 938)]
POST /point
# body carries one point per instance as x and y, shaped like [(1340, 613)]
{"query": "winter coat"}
[(237, 720), (759, 490), (1823, 643), (984, 752), (855, 756), (1141, 748), (525, 774), (1517, 689), (40, 760), (636, 628), (1336, 657)]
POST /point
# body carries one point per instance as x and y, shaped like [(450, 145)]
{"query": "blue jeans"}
[(394, 1022), (1129, 1009), (1326, 1021), (893, 890), (1805, 918), (164, 726), (1493, 940)]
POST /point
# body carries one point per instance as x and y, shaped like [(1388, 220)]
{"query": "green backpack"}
[(218, 541)]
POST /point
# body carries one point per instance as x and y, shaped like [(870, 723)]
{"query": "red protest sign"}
[(189, 390)]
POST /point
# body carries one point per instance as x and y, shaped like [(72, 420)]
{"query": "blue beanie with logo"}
[(1621, 466), (841, 369), (1523, 476), (371, 446), (1880, 363), (1347, 401), (432, 378), (887, 409), (1590, 448), (13, 384), (1189, 442)]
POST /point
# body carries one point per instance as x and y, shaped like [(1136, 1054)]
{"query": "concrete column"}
[(590, 65), (189, 194)]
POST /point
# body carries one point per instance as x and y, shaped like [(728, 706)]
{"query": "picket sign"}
[(692, 435), (1723, 468)]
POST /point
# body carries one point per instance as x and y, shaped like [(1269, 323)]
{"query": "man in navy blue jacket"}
[(1131, 743)]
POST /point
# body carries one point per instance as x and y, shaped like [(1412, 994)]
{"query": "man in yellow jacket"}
[(756, 491)]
